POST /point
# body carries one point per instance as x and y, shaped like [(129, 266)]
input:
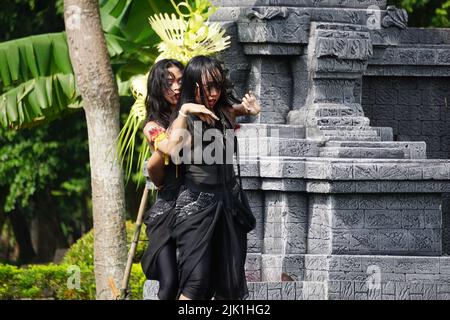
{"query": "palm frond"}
[(127, 136), (181, 39), (38, 99), (33, 57)]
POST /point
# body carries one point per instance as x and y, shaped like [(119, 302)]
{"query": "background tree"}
[(44, 178), (426, 13), (95, 80), (131, 48), (30, 181)]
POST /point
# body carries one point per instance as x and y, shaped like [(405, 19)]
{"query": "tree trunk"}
[(47, 230), (23, 237), (2, 241), (95, 80), (2, 221)]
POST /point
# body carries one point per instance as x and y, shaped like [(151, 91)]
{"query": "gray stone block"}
[(444, 266), (347, 290), (274, 291), (428, 265), (363, 241), (350, 263), (288, 291), (383, 263), (346, 219), (430, 278), (388, 288), (413, 219), (394, 240), (260, 291), (384, 219)]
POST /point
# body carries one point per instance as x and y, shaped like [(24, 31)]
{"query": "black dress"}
[(211, 226), (159, 259)]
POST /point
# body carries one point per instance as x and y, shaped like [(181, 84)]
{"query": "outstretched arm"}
[(169, 142), (249, 106)]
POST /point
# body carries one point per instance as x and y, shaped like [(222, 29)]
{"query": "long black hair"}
[(158, 109), (196, 71)]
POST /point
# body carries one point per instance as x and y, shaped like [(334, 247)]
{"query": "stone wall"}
[(417, 109)]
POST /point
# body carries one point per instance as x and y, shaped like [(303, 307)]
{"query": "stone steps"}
[(357, 152), (366, 131), (342, 112), (347, 128), (337, 110), (411, 150), (355, 138), (349, 290), (377, 144), (335, 290), (353, 135), (343, 121), (270, 130), (278, 147), (286, 290)]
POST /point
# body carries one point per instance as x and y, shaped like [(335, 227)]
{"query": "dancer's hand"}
[(200, 111), (151, 131), (250, 104)]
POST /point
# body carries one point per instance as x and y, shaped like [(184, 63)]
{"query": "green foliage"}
[(442, 15), (42, 281), (49, 159), (52, 281), (19, 18), (426, 13), (82, 252), (27, 165), (36, 78)]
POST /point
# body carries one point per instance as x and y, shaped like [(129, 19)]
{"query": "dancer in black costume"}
[(212, 212), (159, 260)]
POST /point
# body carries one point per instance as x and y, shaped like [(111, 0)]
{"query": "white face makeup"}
[(212, 93), (172, 95)]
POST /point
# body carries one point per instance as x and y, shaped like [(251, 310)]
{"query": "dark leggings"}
[(198, 285), (167, 272)]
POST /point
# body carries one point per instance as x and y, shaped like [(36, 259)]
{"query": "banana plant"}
[(37, 83), (37, 80), (182, 36)]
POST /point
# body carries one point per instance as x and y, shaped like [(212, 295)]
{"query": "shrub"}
[(82, 252), (52, 281)]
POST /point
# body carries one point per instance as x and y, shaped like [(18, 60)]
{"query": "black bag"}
[(245, 215), (241, 209)]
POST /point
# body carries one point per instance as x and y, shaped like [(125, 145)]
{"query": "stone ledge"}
[(291, 290), (340, 175), (420, 55), (303, 3)]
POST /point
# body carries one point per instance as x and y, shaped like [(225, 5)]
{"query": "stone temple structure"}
[(344, 167)]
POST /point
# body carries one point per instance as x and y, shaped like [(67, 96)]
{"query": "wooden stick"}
[(137, 232)]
